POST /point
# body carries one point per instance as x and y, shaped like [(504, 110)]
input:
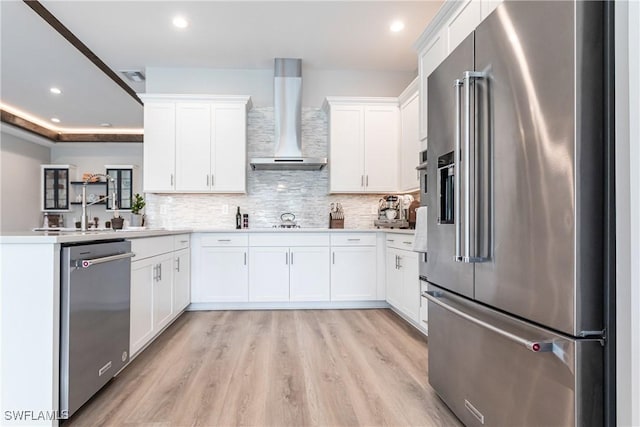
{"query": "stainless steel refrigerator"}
[(516, 203)]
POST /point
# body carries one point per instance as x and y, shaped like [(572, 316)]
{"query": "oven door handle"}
[(86, 263)]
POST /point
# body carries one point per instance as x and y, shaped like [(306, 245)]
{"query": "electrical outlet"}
[(225, 209), (374, 210)]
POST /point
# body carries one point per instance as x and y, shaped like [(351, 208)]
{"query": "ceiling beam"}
[(38, 8), (54, 136)]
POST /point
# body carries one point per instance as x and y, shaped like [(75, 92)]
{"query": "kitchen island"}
[(30, 322)]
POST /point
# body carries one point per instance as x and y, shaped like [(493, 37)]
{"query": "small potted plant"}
[(136, 210)]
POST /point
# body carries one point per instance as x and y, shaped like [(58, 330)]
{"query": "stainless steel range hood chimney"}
[(287, 98)]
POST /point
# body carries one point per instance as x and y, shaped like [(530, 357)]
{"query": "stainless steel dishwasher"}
[(94, 318)]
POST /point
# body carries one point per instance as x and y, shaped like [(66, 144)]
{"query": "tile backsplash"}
[(269, 193)]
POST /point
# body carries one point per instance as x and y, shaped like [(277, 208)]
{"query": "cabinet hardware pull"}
[(390, 240), (292, 258), (172, 180), (224, 240), (286, 258), (396, 262), (353, 240), (184, 241), (407, 243), (367, 182), (399, 265), (159, 272), (245, 258), (212, 180), (207, 180), (334, 257)]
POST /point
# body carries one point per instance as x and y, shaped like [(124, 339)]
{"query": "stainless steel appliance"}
[(422, 174), (516, 233), (94, 319)]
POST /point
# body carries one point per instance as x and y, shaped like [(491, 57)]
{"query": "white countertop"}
[(36, 237), (79, 236), (304, 230)]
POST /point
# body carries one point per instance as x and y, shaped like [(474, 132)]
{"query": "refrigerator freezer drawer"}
[(495, 370)]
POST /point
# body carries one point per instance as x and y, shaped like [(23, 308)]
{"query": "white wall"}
[(316, 84), (20, 187), (628, 212), (91, 158)]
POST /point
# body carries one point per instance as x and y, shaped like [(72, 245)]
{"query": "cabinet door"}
[(394, 279), (223, 275), (408, 267), (309, 274), (228, 149), (381, 135), (181, 280), (159, 146), (428, 60), (346, 149), (142, 283), (465, 20), (409, 145), (353, 273), (163, 292), (488, 6), (193, 146), (269, 274)]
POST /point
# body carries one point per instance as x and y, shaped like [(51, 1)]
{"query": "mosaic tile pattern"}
[(269, 193)]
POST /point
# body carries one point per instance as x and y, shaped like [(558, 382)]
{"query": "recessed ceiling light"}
[(55, 90), (397, 26), (105, 125), (55, 120), (135, 76), (180, 22)]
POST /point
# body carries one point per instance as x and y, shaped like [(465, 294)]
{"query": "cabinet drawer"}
[(181, 241), (225, 239), (284, 238), (353, 239), (400, 241), (151, 246)]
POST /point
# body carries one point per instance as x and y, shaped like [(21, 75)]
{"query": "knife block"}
[(336, 223)]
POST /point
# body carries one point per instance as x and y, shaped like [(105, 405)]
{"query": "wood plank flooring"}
[(275, 368)]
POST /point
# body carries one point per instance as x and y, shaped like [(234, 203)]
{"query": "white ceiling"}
[(327, 35)]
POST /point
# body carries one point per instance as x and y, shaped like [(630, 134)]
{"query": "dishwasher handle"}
[(86, 263)]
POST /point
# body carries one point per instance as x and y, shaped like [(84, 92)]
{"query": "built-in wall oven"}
[(422, 174), (94, 318)]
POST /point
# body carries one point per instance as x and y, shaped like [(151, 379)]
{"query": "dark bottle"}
[(238, 219)]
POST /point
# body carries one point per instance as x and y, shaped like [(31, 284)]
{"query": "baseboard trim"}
[(300, 305)]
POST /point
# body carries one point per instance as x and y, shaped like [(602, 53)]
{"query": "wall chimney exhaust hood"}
[(287, 98)]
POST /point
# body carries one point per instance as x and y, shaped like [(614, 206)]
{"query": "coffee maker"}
[(392, 213)]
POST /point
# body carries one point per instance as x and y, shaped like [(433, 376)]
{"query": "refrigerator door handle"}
[(534, 346), (470, 254), (456, 177)]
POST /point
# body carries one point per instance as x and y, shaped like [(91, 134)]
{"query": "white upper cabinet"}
[(159, 146), (488, 6), (363, 144), (409, 139), (464, 21), (195, 144), (428, 59), (229, 148)]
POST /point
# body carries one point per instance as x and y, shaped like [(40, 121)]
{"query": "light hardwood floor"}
[(275, 368)]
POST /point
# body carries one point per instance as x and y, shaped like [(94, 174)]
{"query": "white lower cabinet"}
[(309, 274), (181, 280), (221, 268), (269, 274), (289, 274), (403, 283), (159, 286), (354, 267)]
